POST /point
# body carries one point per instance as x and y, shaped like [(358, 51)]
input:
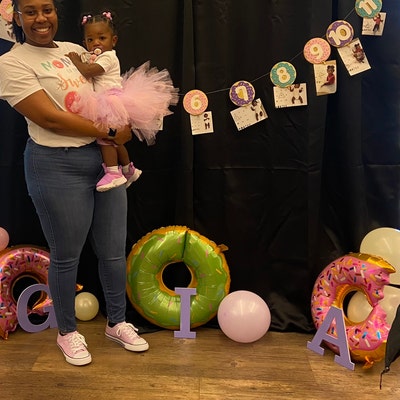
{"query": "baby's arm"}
[(87, 70)]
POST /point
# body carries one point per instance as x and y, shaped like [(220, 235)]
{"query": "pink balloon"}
[(4, 238), (244, 316)]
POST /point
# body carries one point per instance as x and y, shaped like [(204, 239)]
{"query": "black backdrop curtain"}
[(286, 195)]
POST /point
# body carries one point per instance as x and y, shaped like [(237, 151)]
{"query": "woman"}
[(62, 166)]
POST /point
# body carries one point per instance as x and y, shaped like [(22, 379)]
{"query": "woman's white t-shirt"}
[(26, 69)]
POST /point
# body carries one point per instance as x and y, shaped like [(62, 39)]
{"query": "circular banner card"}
[(317, 50), (242, 93), (195, 102), (283, 74), (339, 33), (368, 8)]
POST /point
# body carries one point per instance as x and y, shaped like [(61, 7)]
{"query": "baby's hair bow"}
[(107, 14), (85, 19)]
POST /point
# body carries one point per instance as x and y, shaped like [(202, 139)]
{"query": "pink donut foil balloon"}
[(343, 276)]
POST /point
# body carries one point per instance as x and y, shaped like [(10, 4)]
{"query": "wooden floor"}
[(211, 366)]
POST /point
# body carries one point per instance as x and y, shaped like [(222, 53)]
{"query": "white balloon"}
[(358, 308), (384, 242), (390, 302), (86, 306)]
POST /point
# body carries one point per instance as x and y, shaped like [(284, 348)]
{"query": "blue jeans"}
[(62, 184)]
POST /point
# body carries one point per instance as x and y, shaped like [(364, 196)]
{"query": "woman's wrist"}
[(112, 133), (120, 136)]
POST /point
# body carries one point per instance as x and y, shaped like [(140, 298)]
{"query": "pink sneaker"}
[(125, 334), (74, 348), (110, 180), (132, 175)]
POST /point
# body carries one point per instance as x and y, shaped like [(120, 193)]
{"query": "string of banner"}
[(287, 93)]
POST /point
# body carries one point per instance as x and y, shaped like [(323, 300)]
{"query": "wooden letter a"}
[(340, 341)]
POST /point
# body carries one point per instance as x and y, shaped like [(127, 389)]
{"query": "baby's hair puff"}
[(106, 16)]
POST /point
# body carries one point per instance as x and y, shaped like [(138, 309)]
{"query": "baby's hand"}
[(74, 56)]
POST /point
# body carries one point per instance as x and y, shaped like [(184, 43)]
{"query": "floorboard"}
[(209, 367)]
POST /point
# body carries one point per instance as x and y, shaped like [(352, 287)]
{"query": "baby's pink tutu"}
[(142, 102)]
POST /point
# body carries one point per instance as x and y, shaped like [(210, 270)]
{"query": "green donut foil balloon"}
[(205, 262)]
